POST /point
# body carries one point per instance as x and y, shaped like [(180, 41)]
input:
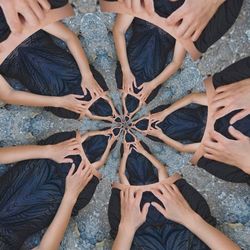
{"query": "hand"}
[(72, 103), (33, 12), (60, 151), (89, 83), (232, 97), (76, 182), (232, 152), (131, 215), (128, 82), (158, 117), (146, 90), (127, 148), (193, 16), (138, 7), (175, 207)]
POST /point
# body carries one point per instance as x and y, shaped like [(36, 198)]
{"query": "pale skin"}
[(162, 173), (57, 152), (32, 11), (232, 152), (198, 98), (71, 102), (120, 28), (175, 208), (192, 17), (235, 96), (75, 183)]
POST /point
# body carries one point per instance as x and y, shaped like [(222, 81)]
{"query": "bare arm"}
[(179, 55), (122, 168), (12, 96), (56, 152), (120, 28)]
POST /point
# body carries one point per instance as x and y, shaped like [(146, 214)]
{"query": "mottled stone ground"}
[(229, 203)]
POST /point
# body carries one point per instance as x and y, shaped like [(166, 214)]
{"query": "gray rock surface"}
[(229, 203)]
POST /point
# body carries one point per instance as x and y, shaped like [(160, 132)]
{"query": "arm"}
[(131, 218), (75, 183), (179, 55), (57, 152), (122, 168), (176, 208), (12, 96), (59, 30), (198, 98), (120, 28)]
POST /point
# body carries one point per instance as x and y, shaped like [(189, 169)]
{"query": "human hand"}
[(72, 103), (33, 12), (146, 90), (89, 83), (59, 152), (175, 207), (128, 81), (192, 17), (76, 182), (232, 97), (232, 152), (138, 6), (131, 215)]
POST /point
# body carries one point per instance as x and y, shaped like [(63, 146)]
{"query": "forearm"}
[(79, 55), (29, 99), (166, 74), (123, 239), (211, 236), (121, 50), (55, 232), (21, 153)]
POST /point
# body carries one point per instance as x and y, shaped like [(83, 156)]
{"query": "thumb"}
[(71, 171), (145, 210), (175, 17), (240, 115), (236, 133)]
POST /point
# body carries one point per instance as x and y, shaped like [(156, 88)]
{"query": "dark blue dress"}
[(158, 232), (46, 69), (148, 50), (233, 73), (4, 27), (31, 192)]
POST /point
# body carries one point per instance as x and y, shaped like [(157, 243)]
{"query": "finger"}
[(122, 196), (136, 6), (138, 197), (176, 189), (29, 15), (145, 210), (196, 35), (222, 112), (189, 32), (236, 133), (67, 160), (74, 152), (128, 3), (131, 194), (45, 4), (37, 9), (210, 151), (12, 18), (86, 172), (210, 157), (149, 6), (210, 144), (175, 17), (72, 169), (158, 207), (240, 115), (126, 195), (218, 137), (79, 97), (221, 95), (225, 88), (159, 196)]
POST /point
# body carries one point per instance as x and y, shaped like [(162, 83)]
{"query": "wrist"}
[(127, 229), (126, 69), (48, 152), (192, 219), (57, 101), (87, 74), (69, 198)]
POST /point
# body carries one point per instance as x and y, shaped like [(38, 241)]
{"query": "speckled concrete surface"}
[(229, 203)]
